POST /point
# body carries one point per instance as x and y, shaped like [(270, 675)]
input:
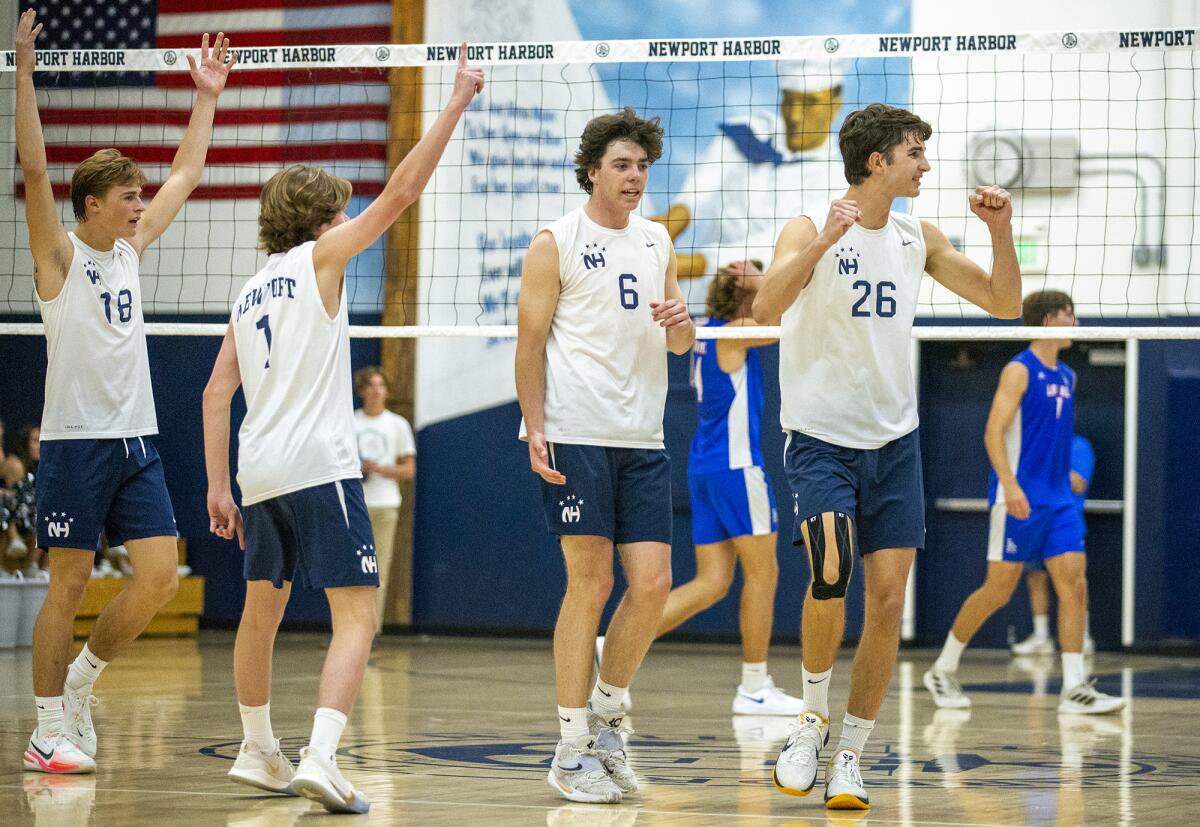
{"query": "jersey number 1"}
[(264, 324)]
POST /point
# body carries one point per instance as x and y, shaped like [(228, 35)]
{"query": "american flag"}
[(266, 119)]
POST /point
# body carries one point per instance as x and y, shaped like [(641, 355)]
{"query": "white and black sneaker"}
[(795, 770), (1086, 699), (578, 774), (946, 690), (843, 783)]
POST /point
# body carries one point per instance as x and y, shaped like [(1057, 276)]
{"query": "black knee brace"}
[(843, 547)]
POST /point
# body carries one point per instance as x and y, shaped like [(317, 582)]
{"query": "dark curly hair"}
[(878, 128), (1042, 303), (602, 131)]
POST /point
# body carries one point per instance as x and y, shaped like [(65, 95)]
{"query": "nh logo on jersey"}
[(571, 510), (368, 563), (91, 272), (56, 527), (593, 256), (847, 259)]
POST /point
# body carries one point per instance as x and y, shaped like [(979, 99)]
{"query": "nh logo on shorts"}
[(593, 256), (847, 261), (56, 527), (368, 563), (570, 509)]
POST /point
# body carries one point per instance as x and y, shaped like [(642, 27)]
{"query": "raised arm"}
[(48, 240), (797, 252), (1014, 380), (535, 312), (224, 519), (673, 313), (337, 245), (998, 293), (209, 76)]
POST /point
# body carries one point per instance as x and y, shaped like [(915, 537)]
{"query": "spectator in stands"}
[(388, 453)]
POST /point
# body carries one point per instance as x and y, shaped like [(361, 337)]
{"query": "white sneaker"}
[(946, 691), (843, 783), (56, 754), (767, 700), (795, 770), (578, 774), (1086, 699), (319, 779), (77, 719), (271, 771), (627, 701), (1035, 644), (610, 748)]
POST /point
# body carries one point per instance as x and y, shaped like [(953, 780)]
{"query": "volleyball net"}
[(1093, 132)]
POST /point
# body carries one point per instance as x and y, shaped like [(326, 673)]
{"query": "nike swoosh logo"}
[(566, 720), (649, 243), (89, 663), (602, 692), (578, 766), (47, 755), (906, 243), (820, 681), (756, 700)]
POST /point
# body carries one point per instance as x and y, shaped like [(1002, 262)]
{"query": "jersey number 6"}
[(629, 296)]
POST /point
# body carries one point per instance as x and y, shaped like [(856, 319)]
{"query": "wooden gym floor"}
[(459, 731)]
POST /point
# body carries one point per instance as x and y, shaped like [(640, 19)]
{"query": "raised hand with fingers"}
[(213, 70), (468, 80), (27, 34)]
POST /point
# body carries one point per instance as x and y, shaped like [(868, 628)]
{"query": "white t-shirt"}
[(382, 439), (295, 365), (845, 371), (606, 359), (97, 371)]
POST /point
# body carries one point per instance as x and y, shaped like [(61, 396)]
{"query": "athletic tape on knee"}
[(843, 546)]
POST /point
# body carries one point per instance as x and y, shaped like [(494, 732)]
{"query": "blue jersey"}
[(1038, 441), (729, 431)]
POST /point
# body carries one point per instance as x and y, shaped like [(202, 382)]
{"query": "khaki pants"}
[(383, 526)]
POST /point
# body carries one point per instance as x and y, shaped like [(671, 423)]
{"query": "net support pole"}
[(908, 618), (398, 356), (1129, 495)]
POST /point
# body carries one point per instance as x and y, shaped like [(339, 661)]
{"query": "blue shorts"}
[(623, 494), (881, 489), (1049, 531), (320, 535), (85, 486), (732, 503)]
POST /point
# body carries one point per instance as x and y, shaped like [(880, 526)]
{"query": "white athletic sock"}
[(1074, 672), (1041, 626), (572, 723), (49, 715), (606, 699), (84, 670), (952, 650), (328, 724), (816, 691), (855, 732), (754, 675), (256, 726)]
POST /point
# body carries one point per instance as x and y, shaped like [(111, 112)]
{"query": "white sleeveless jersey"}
[(606, 359), (295, 367), (97, 372), (845, 371)]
